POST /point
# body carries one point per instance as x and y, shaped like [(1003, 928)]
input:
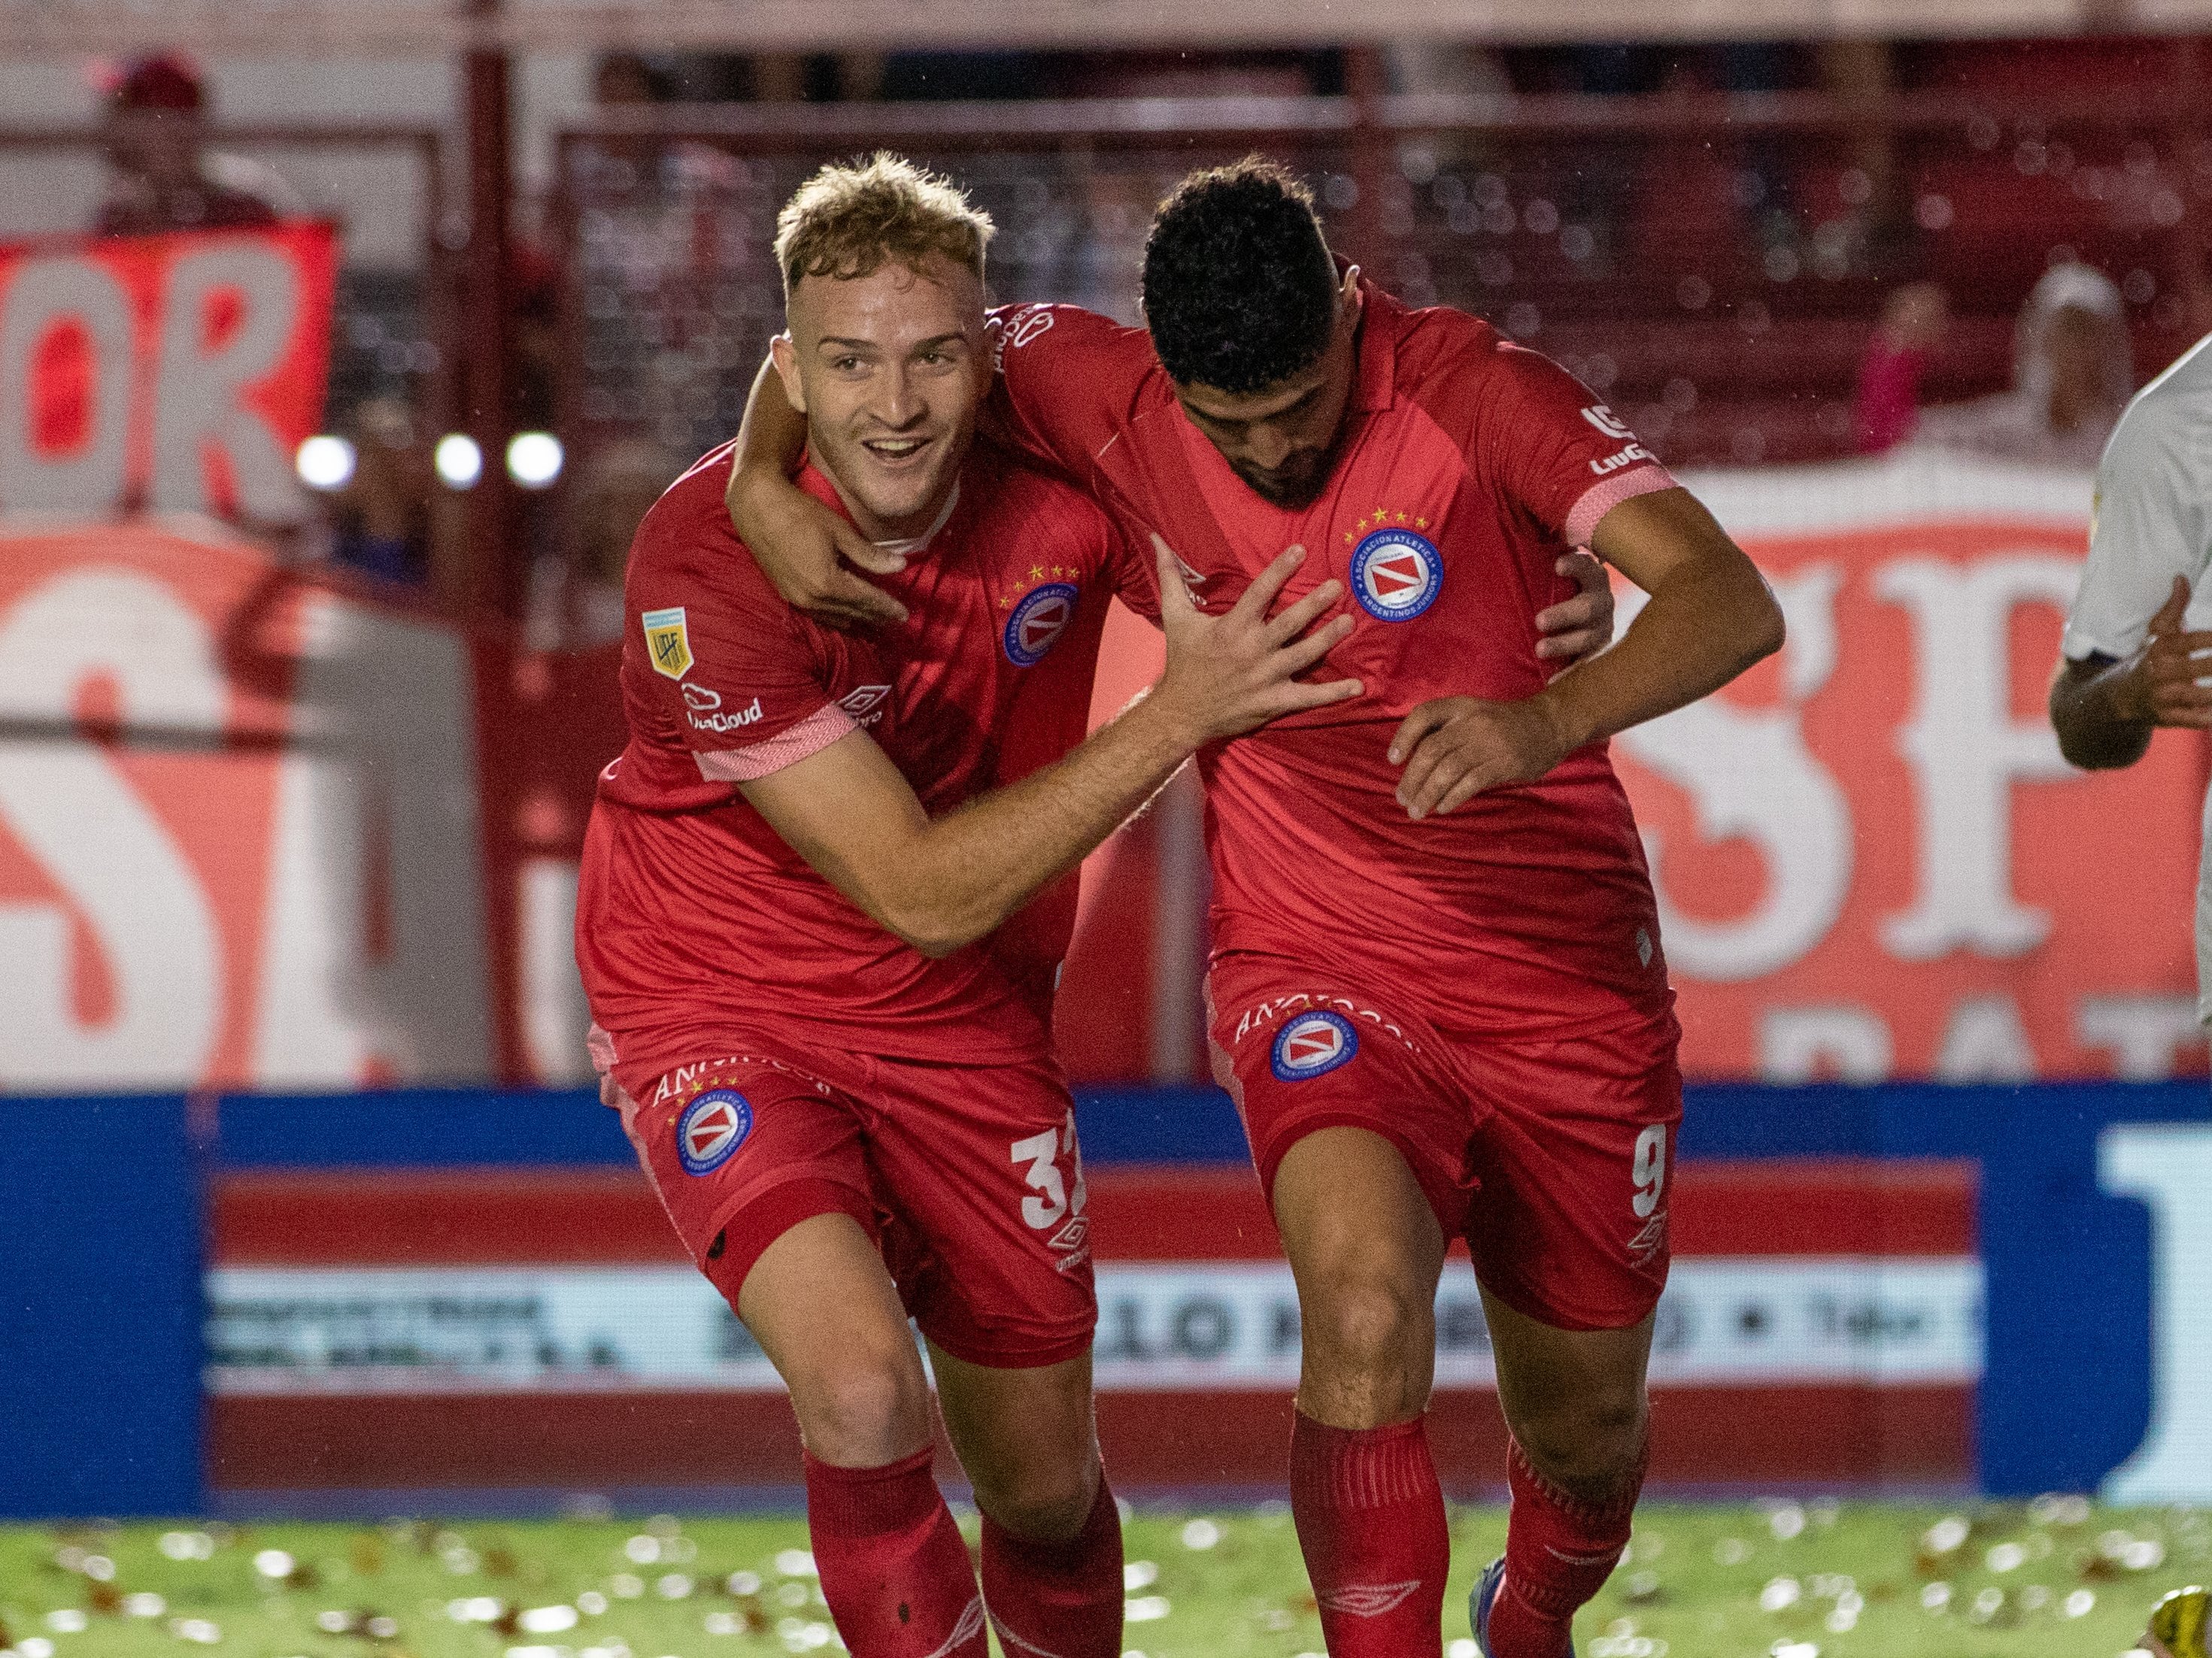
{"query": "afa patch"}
[(1396, 575), (1312, 1045), (667, 642), (711, 1129), (1038, 620)]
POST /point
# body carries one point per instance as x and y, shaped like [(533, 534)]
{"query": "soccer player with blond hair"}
[(823, 1021)]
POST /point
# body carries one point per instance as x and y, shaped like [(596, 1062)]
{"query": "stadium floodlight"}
[(459, 460), (324, 461), (533, 458)]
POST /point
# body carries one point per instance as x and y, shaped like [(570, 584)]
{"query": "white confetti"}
[(1946, 1535), (1786, 1521), (796, 1562), (99, 1568), (381, 1628), (626, 1586), (2007, 1557), (1780, 1593), (1201, 1534), (186, 1545), (2144, 1554), (2080, 1604), (198, 1631), (724, 1623), (274, 1563), (1462, 1648), (144, 1604), (1147, 1609), (35, 1646), (1140, 1575), (1935, 1598), (590, 1603), (548, 1620), (673, 1586), (1731, 1551), (744, 1582), (642, 1551), (474, 1609), (67, 1621), (1794, 1649), (334, 1622)]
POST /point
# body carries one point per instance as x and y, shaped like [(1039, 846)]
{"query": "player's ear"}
[(785, 355), (1351, 300)]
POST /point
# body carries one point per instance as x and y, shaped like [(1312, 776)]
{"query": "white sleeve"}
[(2148, 528)]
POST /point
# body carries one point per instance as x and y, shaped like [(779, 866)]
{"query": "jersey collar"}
[(1374, 379)]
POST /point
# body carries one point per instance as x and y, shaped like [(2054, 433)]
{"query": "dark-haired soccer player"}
[(832, 1057), (1438, 996)]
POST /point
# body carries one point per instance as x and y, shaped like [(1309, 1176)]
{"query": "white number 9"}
[(1648, 1170)]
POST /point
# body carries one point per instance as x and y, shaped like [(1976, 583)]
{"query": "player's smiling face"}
[(1281, 440), (890, 370)]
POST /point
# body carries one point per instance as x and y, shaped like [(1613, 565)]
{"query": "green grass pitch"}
[(2057, 1578)]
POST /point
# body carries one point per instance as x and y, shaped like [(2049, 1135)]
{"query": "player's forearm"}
[(2095, 731), (771, 438), (1703, 626), (975, 867)]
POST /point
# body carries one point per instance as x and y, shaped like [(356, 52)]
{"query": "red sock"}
[(1057, 1599), (1558, 1553), (894, 1568), (1370, 1520)]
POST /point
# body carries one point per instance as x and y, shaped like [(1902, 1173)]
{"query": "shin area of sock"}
[(1058, 1600), (1370, 1521), (895, 1569), (1558, 1553)]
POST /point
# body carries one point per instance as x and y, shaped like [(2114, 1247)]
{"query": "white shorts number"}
[(1043, 1153), (1648, 1170)]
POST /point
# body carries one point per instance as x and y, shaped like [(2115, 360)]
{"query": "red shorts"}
[(968, 1178), (1550, 1155)]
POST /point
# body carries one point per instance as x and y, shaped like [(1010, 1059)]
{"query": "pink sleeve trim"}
[(786, 747), (1602, 498)]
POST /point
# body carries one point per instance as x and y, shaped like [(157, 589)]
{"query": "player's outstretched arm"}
[(941, 884), (800, 545), (2105, 708), (1710, 616)]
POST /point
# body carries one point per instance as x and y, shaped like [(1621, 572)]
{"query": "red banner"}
[(177, 372)]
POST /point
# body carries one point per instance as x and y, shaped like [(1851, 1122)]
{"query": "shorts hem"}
[(753, 1222), (1449, 1206), (1555, 1318), (1008, 1356)]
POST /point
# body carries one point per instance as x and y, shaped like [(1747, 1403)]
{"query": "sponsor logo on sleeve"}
[(1312, 1045), (1037, 622), (1396, 575), (667, 642), (711, 1129), (1609, 423), (710, 716)]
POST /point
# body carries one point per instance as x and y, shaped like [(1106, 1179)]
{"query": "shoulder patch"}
[(667, 642)]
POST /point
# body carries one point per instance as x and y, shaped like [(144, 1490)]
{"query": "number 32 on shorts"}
[(1054, 1194), (1647, 1170)]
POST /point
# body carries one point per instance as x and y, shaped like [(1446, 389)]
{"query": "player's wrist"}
[(1564, 715)]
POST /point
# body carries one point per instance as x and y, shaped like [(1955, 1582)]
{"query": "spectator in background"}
[(576, 600), (381, 518), (2072, 373), (1888, 408), (162, 177)]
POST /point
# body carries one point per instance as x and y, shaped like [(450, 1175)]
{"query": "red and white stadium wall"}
[(431, 1297), (260, 829)]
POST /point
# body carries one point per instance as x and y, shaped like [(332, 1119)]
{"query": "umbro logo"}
[(1369, 1599)]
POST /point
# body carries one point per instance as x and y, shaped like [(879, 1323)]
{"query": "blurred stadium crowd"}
[(1761, 252)]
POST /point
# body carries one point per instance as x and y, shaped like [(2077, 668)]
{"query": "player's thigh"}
[(824, 1308), (1027, 1438), (990, 1240), (1569, 1395), (1363, 1241), (1575, 1156)]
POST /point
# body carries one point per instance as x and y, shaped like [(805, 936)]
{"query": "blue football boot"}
[(1480, 1599)]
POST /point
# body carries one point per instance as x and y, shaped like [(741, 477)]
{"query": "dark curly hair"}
[(1240, 291)]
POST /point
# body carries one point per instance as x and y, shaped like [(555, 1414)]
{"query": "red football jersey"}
[(1469, 465), (696, 925)]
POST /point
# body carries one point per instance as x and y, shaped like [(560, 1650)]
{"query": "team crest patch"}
[(1396, 575), (1312, 1045), (711, 1129), (1039, 620), (667, 642)]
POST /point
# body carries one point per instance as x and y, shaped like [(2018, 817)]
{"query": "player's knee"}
[(1043, 1503), (865, 1411), (1588, 1446), (1370, 1326)]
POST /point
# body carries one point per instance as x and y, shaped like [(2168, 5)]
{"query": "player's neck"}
[(909, 532)]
